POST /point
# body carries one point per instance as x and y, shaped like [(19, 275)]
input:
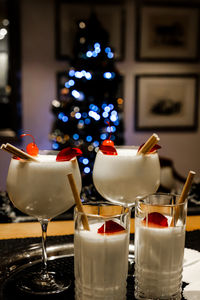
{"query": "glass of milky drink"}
[(123, 177), (41, 189), (159, 246), (101, 253)]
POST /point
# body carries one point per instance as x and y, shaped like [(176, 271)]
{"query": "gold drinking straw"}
[(78, 202)]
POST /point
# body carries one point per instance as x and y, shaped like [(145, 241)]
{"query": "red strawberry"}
[(111, 227), (156, 219), (108, 149), (154, 148), (68, 153)]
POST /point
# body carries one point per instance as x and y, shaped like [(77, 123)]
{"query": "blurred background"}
[(78, 72)]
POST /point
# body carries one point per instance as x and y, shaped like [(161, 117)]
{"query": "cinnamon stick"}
[(17, 152), (183, 196), (78, 202), (187, 186), (150, 143)]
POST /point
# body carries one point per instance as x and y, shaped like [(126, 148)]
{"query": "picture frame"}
[(166, 102), (69, 12), (167, 31)]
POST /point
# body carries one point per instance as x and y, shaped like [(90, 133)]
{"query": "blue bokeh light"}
[(65, 119), (88, 76), (103, 136), (96, 143), (61, 115), (84, 115), (75, 136), (107, 49), (86, 170), (97, 45), (78, 95), (87, 121), (105, 114), (107, 75), (71, 82), (110, 55), (55, 146), (85, 161), (94, 115), (71, 73), (88, 138), (78, 115), (89, 53)]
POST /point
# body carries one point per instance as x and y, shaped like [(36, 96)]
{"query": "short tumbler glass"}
[(101, 254), (159, 246)]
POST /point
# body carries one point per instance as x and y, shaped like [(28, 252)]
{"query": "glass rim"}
[(47, 152), (129, 147), (172, 195), (101, 204)]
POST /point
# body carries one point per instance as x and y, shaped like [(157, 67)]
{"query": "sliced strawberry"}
[(154, 148), (108, 149), (156, 219), (68, 153), (111, 227)]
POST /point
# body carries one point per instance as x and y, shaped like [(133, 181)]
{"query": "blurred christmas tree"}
[(90, 107)]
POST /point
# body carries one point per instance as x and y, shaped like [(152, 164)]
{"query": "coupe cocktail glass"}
[(41, 189), (123, 177)]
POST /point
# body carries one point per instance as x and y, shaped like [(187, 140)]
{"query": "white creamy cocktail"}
[(159, 249), (101, 259), (41, 189), (154, 264), (123, 177)]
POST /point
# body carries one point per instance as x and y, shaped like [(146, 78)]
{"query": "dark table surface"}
[(8, 289)]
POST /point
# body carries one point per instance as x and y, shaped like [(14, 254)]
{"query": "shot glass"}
[(159, 246), (101, 253)]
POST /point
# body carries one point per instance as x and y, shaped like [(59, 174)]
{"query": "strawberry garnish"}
[(108, 149), (110, 227), (153, 149), (156, 219), (68, 153)]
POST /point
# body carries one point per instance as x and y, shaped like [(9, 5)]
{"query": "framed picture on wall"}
[(166, 102), (167, 32), (70, 14)]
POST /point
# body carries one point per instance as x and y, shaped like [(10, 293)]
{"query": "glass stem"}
[(44, 224)]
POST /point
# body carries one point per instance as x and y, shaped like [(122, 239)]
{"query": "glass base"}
[(143, 297), (42, 283), (140, 295)]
